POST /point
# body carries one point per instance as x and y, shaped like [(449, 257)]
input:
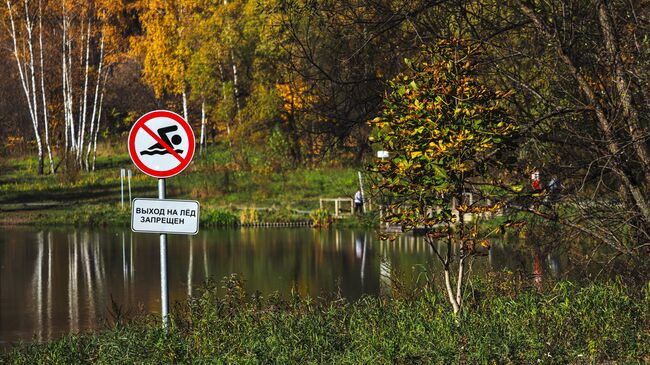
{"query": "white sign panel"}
[(165, 216)]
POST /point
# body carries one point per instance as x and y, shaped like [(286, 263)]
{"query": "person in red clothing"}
[(535, 181)]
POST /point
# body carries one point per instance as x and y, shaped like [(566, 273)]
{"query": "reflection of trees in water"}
[(508, 252), (76, 274), (85, 261), (206, 269), (85, 272), (73, 285), (37, 286), (385, 277), (50, 285), (360, 245)]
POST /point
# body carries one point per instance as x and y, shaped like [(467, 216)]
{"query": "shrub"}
[(320, 218), (210, 217)]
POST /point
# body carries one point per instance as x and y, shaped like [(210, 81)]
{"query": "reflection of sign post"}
[(161, 144)]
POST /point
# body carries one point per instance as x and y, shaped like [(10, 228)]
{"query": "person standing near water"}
[(358, 202)]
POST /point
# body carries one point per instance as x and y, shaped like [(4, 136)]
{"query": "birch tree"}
[(446, 133), (84, 28), (46, 125), (24, 54)]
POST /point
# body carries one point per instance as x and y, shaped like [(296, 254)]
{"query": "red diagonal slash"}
[(162, 143)]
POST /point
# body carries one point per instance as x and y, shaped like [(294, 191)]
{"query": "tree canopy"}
[(307, 76), (446, 133)]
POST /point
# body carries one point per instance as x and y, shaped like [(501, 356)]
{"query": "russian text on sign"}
[(165, 216)]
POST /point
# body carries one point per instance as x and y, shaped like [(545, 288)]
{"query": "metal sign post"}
[(161, 144), (164, 297), (129, 180), (122, 187)]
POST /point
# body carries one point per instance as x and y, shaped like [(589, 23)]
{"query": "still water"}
[(54, 282)]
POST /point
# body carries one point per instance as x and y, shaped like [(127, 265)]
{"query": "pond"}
[(59, 281)]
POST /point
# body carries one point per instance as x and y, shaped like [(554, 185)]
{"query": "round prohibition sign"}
[(161, 143)]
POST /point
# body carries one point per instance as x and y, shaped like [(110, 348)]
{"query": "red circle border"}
[(134, 155)]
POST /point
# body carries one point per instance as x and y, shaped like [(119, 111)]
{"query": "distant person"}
[(554, 188), (358, 202), (554, 184), (535, 181)]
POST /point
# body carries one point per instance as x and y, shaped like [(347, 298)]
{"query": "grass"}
[(81, 198), (504, 323)]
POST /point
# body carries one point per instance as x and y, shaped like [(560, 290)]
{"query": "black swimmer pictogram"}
[(159, 149)]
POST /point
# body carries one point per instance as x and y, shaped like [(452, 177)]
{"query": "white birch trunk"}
[(80, 99), (67, 80), (202, 139), (83, 106), (95, 101), (99, 117), (450, 292), (448, 284), (26, 74), (459, 282), (45, 119), (21, 72), (64, 79), (234, 80), (185, 105), (30, 46), (32, 68), (225, 99), (234, 75), (66, 122), (73, 134)]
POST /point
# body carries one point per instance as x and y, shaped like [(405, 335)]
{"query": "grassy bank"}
[(504, 324), (228, 194)]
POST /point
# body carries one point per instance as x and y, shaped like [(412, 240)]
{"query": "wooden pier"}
[(340, 204)]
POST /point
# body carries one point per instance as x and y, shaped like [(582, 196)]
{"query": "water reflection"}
[(54, 282)]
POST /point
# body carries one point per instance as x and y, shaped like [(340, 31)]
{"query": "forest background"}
[(291, 84)]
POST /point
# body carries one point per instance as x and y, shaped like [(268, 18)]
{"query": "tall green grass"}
[(223, 324)]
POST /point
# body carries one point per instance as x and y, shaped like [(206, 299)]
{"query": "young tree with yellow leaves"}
[(446, 133), (163, 45)]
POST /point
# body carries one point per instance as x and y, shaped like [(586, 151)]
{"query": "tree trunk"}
[(83, 106), (235, 82), (67, 82), (450, 292), (459, 282), (202, 138), (185, 105), (99, 118), (64, 81), (26, 74), (605, 126), (95, 101), (32, 68), (448, 284), (630, 114), (45, 119)]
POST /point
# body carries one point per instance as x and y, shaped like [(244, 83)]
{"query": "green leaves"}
[(442, 126)]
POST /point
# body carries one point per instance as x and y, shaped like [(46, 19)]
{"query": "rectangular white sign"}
[(165, 216)]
